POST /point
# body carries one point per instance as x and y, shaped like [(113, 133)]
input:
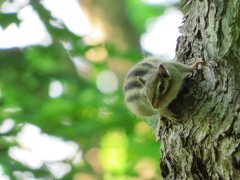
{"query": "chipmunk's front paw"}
[(171, 115)]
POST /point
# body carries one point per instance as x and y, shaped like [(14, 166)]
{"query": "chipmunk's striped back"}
[(134, 90)]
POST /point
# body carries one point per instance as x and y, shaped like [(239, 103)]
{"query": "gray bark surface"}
[(206, 145)]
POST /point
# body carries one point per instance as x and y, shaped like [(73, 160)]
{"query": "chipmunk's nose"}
[(155, 106)]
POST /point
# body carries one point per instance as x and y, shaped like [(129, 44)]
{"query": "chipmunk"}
[(152, 84)]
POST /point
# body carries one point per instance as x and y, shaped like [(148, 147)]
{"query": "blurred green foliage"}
[(82, 114), (134, 7)]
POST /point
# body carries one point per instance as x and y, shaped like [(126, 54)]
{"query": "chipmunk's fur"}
[(152, 84)]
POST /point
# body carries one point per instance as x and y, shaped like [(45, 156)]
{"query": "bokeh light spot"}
[(97, 54), (55, 89), (161, 36), (7, 125), (146, 168), (107, 82)]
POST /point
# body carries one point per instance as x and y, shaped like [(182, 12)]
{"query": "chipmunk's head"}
[(156, 87)]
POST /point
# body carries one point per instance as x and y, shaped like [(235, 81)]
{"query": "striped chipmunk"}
[(152, 84)]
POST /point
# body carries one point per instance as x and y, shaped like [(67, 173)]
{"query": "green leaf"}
[(135, 9), (7, 19)]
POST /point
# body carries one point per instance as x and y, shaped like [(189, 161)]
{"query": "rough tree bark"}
[(206, 145)]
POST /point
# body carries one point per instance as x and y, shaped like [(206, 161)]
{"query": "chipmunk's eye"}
[(161, 87)]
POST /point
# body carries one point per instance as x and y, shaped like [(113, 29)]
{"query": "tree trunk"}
[(206, 144)]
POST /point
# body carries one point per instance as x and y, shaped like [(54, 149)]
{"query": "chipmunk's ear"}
[(141, 80), (163, 71)]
